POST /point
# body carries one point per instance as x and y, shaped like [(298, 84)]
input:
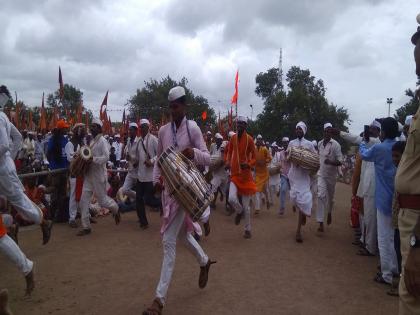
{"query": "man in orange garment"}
[(262, 157), (240, 159)]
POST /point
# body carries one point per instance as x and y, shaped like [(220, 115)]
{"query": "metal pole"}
[(42, 173)]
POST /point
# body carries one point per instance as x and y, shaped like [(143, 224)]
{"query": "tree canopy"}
[(71, 99), (151, 101), (408, 108), (304, 101)]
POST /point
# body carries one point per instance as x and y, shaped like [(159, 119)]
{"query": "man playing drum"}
[(185, 136), (330, 158), (240, 158), (300, 181)]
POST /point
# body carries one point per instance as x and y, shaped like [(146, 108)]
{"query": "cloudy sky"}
[(360, 48)]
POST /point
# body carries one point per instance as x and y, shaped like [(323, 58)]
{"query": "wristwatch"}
[(414, 241)]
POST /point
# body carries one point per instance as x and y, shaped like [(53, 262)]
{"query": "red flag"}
[(234, 99), (79, 113), (17, 116), (204, 115), (102, 111), (60, 81)]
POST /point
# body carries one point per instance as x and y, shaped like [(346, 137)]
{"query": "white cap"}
[(133, 125), (408, 120), (314, 143), (218, 136), (302, 125), (327, 125), (259, 137), (274, 144), (376, 124), (96, 121), (209, 132), (78, 125), (176, 93), (241, 119), (144, 121), (117, 136), (231, 133), (285, 139)]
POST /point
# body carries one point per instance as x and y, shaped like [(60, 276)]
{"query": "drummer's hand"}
[(148, 163), (244, 166), (158, 187), (189, 153)]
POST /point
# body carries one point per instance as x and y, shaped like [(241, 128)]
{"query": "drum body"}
[(81, 161), (185, 182), (304, 158)]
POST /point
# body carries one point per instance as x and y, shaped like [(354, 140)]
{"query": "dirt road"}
[(115, 270)]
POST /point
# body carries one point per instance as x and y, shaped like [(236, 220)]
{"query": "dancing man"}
[(300, 181), (330, 158), (262, 158), (185, 136), (240, 158), (130, 153), (94, 181)]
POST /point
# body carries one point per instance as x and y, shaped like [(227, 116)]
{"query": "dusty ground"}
[(116, 269)]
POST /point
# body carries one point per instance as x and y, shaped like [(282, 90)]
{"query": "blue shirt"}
[(381, 155), (61, 162)]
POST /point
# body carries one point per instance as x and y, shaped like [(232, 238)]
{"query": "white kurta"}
[(73, 204), (220, 178), (300, 180), (94, 182), (131, 178)]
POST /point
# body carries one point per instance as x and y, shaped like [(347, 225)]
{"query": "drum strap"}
[(175, 142), (144, 148)]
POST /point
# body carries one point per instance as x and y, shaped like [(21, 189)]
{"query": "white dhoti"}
[(176, 229), (273, 187), (12, 189), (98, 187), (326, 190), (245, 207), (12, 251), (300, 190), (369, 227), (73, 204), (130, 182), (388, 256)]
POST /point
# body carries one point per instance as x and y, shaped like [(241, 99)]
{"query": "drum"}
[(274, 170), (81, 161), (185, 182), (304, 158)]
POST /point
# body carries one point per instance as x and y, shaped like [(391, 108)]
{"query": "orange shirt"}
[(242, 151)]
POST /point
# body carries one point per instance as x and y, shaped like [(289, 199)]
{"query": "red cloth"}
[(356, 206), (79, 188), (3, 230)]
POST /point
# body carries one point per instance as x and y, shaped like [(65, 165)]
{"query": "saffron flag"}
[(102, 111), (204, 115), (43, 119), (234, 99), (60, 81)]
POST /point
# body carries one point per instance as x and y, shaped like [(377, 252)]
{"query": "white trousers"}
[(130, 182), (12, 251), (273, 189), (217, 181), (245, 207), (73, 204), (259, 195), (369, 226), (326, 190), (12, 189), (387, 253), (98, 188), (176, 229)]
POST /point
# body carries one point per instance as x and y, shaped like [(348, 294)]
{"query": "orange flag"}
[(79, 113), (102, 111), (17, 116), (60, 81), (204, 115), (234, 99)]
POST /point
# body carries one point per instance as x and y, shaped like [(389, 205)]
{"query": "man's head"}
[(218, 138), (61, 126), (260, 141), (31, 136), (79, 131), (328, 131), (96, 127), (39, 137), (301, 129), (24, 134), (132, 130), (274, 147), (241, 124), (177, 103), (209, 137), (117, 138), (285, 142), (112, 150), (144, 127), (397, 152), (389, 128), (375, 129), (4, 96)]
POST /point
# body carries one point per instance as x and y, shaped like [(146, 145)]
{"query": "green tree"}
[(305, 100), (408, 108), (71, 99), (151, 101)]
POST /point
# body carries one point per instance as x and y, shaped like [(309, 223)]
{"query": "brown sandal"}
[(155, 309), (204, 274)]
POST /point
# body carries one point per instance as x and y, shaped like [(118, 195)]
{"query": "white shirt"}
[(331, 151), (131, 154), (275, 161), (117, 147), (69, 149), (145, 173), (10, 139)]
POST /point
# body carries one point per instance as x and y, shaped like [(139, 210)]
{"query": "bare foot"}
[(30, 282)]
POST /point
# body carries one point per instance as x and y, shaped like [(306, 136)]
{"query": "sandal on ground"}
[(364, 252), (204, 274), (155, 308), (379, 279)]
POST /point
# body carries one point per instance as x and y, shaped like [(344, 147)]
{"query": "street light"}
[(252, 110), (389, 101)]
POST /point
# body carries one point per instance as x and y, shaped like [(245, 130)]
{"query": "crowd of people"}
[(248, 172)]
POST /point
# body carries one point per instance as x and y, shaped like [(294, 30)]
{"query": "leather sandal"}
[(155, 308), (204, 274)]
